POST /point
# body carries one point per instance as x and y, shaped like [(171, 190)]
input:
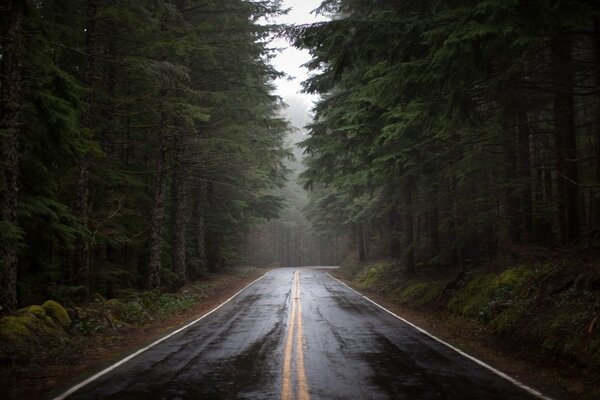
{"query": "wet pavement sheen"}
[(351, 350)]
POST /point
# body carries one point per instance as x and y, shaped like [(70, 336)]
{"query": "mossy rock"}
[(12, 325), (36, 310), (22, 335), (57, 313)]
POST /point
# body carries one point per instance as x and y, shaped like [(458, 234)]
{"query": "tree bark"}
[(395, 248), (409, 251), (80, 274), (433, 225), (11, 105), (179, 207), (596, 204), (360, 235), (158, 212), (524, 173), (510, 192), (198, 232), (565, 138)]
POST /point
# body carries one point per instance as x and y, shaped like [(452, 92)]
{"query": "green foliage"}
[(137, 99), (150, 305), (419, 294), (440, 113)]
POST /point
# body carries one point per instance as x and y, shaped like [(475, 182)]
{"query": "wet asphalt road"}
[(300, 336)]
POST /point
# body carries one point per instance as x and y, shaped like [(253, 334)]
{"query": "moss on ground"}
[(28, 332), (34, 309), (418, 294), (57, 313)]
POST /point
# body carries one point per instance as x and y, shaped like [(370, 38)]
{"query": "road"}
[(300, 334)]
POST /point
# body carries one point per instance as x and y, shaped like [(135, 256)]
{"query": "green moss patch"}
[(419, 293), (34, 309), (57, 313), (28, 332)]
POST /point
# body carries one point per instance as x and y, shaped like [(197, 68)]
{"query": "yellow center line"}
[(294, 329), (286, 387), (301, 374)]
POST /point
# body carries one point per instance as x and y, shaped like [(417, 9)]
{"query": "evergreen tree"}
[(453, 123)]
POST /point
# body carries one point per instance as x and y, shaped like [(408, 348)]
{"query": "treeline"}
[(448, 131), (291, 240), (140, 141), (283, 244)]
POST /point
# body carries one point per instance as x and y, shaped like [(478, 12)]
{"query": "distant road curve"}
[(300, 334)]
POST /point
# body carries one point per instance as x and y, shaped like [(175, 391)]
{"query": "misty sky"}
[(291, 59)]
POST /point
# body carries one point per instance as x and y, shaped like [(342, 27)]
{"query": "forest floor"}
[(47, 375), (519, 343)]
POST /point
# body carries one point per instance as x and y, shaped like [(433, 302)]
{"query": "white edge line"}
[(137, 353), (512, 380)]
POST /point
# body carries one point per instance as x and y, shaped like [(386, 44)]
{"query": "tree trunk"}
[(11, 105), (433, 225), (395, 248), (80, 274), (511, 198), (158, 212), (360, 234), (565, 138), (409, 255), (179, 204), (455, 251), (524, 173), (596, 201), (198, 232)]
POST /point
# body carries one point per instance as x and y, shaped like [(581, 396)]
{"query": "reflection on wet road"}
[(300, 335)]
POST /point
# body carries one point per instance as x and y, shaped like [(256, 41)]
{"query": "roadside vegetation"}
[(546, 311), (44, 347), (140, 141)]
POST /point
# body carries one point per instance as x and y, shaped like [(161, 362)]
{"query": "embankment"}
[(536, 320)]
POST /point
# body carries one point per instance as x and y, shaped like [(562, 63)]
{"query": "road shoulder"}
[(471, 337), (86, 355)]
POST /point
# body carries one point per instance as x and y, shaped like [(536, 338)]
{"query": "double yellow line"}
[(295, 329)]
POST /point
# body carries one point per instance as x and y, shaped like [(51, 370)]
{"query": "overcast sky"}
[(291, 59)]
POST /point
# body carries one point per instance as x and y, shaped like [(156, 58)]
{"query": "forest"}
[(142, 144), (449, 132), (149, 169), (140, 141)]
